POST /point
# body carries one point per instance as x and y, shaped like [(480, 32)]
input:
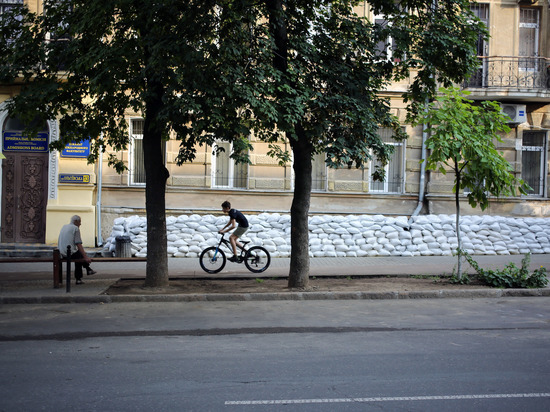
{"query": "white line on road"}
[(388, 399)]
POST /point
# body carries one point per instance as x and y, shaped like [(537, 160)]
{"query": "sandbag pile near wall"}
[(352, 235)]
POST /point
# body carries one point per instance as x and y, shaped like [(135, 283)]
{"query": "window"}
[(481, 11), (479, 77), (383, 47), (533, 161), (394, 180), (137, 163), (319, 173), (226, 172), (529, 20), (6, 5)]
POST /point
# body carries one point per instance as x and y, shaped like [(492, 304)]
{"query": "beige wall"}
[(189, 188)]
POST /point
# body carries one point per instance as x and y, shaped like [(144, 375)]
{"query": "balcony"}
[(511, 78)]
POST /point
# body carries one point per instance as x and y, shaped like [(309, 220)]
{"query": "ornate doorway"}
[(24, 184)]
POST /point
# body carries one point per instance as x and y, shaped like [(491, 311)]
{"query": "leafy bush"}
[(511, 276)]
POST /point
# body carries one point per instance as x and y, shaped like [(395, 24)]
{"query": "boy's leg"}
[(233, 241)]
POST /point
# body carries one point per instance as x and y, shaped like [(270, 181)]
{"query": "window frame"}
[(132, 152), (536, 39), (231, 169), (6, 5), (132, 137), (319, 173), (402, 161), (543, 149)]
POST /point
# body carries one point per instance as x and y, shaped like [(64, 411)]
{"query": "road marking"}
[(389, 399)]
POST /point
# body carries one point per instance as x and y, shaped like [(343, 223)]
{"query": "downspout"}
[(98, 199), (422, 172), (422, 160)]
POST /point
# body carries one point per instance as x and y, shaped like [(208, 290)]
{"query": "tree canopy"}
[(309, 71), (324, 70), (87, 64)]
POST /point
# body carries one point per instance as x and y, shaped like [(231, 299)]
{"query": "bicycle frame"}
[(227, 244), (255, 258)]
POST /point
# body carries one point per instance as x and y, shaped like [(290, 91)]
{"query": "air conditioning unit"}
[(516, 112)]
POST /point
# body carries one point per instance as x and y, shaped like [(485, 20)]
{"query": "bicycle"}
[(213, 259)]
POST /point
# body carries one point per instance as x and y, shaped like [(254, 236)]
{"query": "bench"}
[(58, 261)]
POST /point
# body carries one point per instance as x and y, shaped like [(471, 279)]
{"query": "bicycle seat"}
[(245, 242)]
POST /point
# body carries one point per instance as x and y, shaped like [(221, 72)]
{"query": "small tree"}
[(463, 137)]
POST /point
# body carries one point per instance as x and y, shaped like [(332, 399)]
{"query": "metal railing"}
[(512, 72)]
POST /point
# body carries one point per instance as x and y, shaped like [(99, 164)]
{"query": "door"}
[(24, 188)]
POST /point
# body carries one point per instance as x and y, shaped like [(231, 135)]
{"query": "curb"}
[(296, 296)]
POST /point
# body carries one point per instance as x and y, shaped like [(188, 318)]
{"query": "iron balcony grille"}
[(512, 72)]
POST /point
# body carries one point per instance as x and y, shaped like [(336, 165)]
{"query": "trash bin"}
[(123, 246)]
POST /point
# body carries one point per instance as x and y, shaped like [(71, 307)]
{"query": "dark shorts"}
[(239, 231)]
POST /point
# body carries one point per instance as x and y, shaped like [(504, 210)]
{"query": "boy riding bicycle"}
[(235, 217)]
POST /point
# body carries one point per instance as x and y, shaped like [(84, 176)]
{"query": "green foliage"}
[(462, 139), (310, 70), (463, 136), (462, 279), (108, 57), (511, 276)]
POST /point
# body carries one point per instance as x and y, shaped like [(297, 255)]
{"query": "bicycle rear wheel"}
[(212, 260), (257, 259)]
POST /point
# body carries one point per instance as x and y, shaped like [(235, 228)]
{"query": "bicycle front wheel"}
[(212, 260), (257, 259)]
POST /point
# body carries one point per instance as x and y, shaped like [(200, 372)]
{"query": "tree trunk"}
[(298, 276), (299, 226), (156, 175)]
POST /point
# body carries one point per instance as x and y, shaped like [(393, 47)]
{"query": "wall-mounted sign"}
[(73, 178), (16, 142), (80, 149)]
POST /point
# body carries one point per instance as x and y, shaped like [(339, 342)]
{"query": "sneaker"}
[(90, 271), (79, 282), (233, 259)]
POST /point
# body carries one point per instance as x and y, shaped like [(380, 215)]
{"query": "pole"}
[(68, 269)]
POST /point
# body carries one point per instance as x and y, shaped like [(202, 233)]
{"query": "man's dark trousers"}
[(78, 265)]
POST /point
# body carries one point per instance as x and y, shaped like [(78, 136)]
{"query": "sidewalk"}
[(32, 282)]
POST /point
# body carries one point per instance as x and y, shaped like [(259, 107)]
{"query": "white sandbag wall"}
[(353, 235)]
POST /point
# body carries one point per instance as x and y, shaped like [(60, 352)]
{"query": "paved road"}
[(422, 355)]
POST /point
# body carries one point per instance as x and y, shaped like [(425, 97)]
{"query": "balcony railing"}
[(512, 72)]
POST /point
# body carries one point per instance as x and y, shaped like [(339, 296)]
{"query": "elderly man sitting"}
[(70, 236)]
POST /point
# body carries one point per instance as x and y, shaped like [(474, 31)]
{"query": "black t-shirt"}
[(239, 217)]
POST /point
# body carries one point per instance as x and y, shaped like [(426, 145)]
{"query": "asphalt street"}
[(415, 355)]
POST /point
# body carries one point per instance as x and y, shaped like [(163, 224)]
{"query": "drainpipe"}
[(422, 173), (423, 159), (98, 199)]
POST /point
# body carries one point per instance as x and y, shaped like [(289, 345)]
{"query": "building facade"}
[(40, 189)]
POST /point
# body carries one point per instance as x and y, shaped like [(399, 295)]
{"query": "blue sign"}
[(80, 149), (16, 142), (72, 178)]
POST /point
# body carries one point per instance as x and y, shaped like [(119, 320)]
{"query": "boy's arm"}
[(231, 223)]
